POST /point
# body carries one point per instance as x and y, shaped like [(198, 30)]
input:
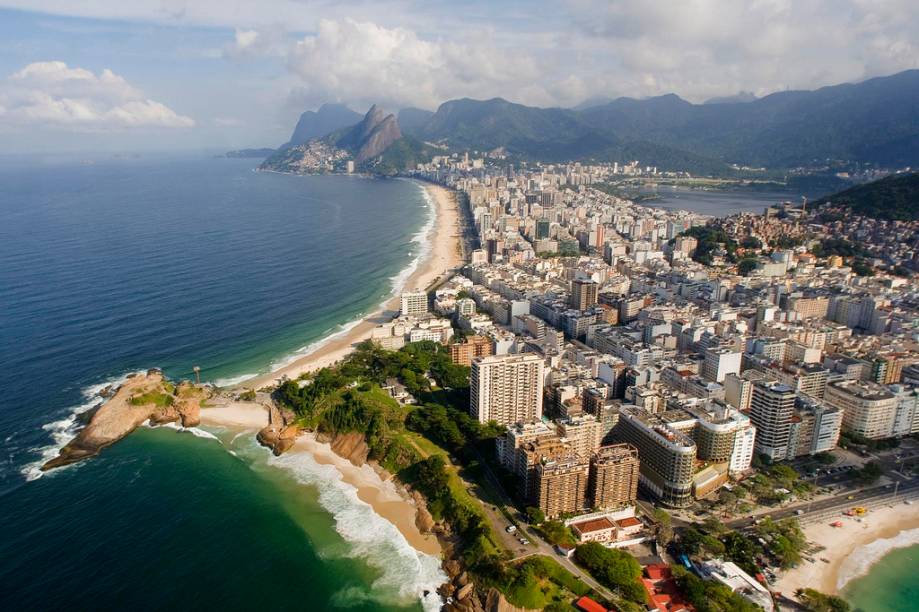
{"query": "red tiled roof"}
[(589, 605), (593, 525), (629, 521)]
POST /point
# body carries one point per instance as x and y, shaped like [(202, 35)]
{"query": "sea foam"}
[(64, 429), (860, 561), (405, 573)]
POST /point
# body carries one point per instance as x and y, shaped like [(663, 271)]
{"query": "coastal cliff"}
[(141, 398)]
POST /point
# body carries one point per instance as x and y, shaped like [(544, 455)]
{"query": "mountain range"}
[(874, 122)]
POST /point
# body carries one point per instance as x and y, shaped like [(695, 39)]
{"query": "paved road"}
[(837, 503)]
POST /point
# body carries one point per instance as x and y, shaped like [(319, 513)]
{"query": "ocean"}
[(108, 266), (889, 584)]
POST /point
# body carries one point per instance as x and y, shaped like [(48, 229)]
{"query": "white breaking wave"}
[(406, 574), (195, 431), (422, 239), (63, 430), (860, 561)]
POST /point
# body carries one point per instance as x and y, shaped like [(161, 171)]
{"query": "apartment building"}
[(771, 408), (667, 457), (414, 303), (869, 409), (561, 485), (506, 389), (614, 473)]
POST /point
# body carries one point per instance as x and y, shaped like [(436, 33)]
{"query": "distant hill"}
[(894, 197), (319, 123), (874, 121), (412, 119), (375, 143), (741, 96), (548, 134)]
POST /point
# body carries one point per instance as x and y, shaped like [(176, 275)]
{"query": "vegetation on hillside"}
[(812, 600), (613, 568), (710, 239), (894, 197)]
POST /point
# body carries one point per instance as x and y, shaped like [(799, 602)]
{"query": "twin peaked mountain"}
[(324, 139), (874, 121)]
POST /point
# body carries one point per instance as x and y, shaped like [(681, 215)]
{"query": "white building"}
[(414, 303), (507, 389), (719, 362)]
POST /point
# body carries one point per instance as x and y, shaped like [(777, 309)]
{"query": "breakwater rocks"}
[(143, 397)]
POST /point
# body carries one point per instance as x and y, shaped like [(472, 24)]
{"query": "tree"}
[(747, 265), (613, 568), (728, 498), (870, 472), (815, 601), (664, 526), (535, 516)]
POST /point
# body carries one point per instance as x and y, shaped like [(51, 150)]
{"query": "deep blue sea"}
[(124, 264)]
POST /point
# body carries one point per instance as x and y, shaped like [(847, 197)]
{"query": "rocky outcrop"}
[(352, 446), (382, 136), (280, 434), (121, 414), (111, 422), (423, 519)]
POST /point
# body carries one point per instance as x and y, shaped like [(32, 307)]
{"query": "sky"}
[(126, 75)]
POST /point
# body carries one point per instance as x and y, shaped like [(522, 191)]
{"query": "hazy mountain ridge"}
[(875, 121)]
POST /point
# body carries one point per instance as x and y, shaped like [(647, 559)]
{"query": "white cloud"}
[(364, 63), (259, 42), (701, 48), (52, 94)]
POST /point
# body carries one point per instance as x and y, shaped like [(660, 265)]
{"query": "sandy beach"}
[(445, 254), (849, 549), (382, 495)]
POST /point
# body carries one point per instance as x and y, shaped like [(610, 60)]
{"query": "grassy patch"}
[(539, 581), (157, 398)]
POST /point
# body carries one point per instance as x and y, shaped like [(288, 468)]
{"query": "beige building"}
[(613, 476), (869, 409), (462, 353), (414, 303), (506, 389), (583, 433), (561, 486)]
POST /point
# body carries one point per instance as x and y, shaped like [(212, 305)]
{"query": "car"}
[(511, 529), (851, 497), (799, 512), (525, 542)]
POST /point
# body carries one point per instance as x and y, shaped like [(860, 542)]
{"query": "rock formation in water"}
[(141, 398)]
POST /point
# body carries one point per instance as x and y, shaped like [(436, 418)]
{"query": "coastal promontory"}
[(143, 397)]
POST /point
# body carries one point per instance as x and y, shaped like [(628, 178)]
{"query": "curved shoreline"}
[(846, 547), (443, 256)]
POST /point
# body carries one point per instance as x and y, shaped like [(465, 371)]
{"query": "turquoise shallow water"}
[(172, 262), (891, 585)]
